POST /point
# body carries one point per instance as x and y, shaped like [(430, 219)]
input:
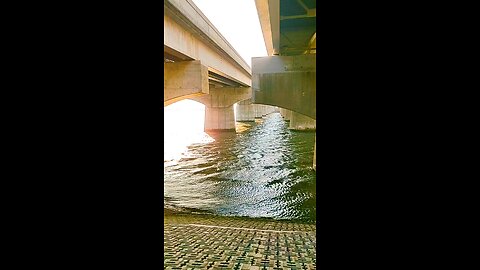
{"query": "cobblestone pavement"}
[(212, 242)]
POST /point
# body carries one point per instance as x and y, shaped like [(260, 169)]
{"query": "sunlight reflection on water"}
[(183, 125), (261, 170)]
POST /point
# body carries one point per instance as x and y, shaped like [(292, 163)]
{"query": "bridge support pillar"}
[(219, 119), (258, 110), (219, 111), (301, 122), (245, 111), (263, 110)]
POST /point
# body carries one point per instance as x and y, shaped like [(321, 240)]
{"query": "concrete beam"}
[(286, 81), (263, 10), (189, 34), (184, 80), (223, 97)]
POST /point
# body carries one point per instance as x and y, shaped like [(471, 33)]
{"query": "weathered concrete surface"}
[(219, 112), (219, 119), (257, 110), (286, 81), (245, 111), (224, 96), (189, 35), (301, 122), (212, 242), (266, 109), (269, 109), (184, 80), (260, 110), (286, 114)]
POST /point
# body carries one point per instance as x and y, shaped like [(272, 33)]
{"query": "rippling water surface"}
[(262, 170)]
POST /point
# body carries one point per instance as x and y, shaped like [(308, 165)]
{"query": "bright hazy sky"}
[(237, 21)]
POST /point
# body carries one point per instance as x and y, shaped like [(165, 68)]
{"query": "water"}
[(262, 170)]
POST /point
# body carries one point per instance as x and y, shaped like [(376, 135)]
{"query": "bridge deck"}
[(211, 242)]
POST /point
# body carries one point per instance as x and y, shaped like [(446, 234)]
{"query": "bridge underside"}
[(184, 80), (286, 81), (287, 78), (216, 78), (189, 79), (247, 111), (201, 65), (219, 111)]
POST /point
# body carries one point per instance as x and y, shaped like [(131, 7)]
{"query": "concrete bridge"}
[(287, 77), (199, 64)]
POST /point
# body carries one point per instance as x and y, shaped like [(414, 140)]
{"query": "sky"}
[(237, 21)]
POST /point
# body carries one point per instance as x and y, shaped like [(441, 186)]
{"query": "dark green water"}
[(263, 171)]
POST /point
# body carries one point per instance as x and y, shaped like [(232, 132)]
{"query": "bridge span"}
[(201, 65), (287, 77)]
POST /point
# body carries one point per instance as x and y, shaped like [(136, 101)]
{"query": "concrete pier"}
[(219, 119), (245, 111), (301, 122), (219, 111), (258, 110)]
